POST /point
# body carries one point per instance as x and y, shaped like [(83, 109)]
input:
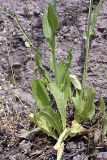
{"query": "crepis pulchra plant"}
[(52, 119)]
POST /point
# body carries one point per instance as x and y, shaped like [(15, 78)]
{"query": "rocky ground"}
[(17, 69)]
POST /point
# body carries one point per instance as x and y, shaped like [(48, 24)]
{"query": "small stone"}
[(102, 155), (80, 157), (12, 158), (80, 145), (71, 146), (25, 147)]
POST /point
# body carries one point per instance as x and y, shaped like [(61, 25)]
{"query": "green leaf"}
[(79, 103), (40, 67), (44, 125), (51, 62), (75, 82), (53, 118), (68, 59), (66, 87), (91, 31), (67, 64), (60, 72), (105, 125), (40, 94), (50, 24), (64, 76), (102, 106), (52, 18), (48, 120), (63, 79), (95, 16), (61, 102), (84, 105), (90, 107), (46, 28), (85, 35), (63, 68)]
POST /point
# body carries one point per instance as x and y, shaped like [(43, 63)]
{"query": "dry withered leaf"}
[(29, 135)]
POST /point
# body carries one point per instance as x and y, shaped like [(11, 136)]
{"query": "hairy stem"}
[(87, 43), (54, 52), (54, 59), (55, 4)]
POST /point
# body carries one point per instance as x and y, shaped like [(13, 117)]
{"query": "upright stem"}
[(54, 59), (54, 52), (55, 4), (87, 43)]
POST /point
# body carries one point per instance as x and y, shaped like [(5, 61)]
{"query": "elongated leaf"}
[(85, 108), (46, 28), (105, 125), (96, 14), (40, 66), (68, 60), (53, 118), (52, 18), (91, 111), (40, 94), (79, 103), (90, 107), (85, 35), (93, 19), (102, 106), (84, 105), (63, 68), (60, 72), (63, 75), (44, 125), (75, 82), (66, 87), (61, 103), (63, 79)]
